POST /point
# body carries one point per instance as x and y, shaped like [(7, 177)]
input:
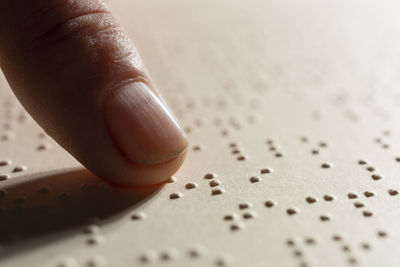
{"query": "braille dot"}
[(304, 139), (266, 170), (397, 159), (19, 168), (352, 261), (43, 147), (358, 205), (385, 146), (290, 243), (369, 194), (96, 261), (191, 185), (236, 227), (382, 233), (291, 211), (236, 151), (393, 192), (222, 262), (272, 148), (362, 162), (241, 158), (138, 216), (365, 246), (297, 253), (336, 237), (249, 215), (214, 183), (269, 142), (5, 163), (217, 191), (147, 257), (311, 200), (310, 241), (68, 262), (324, 218), (232, 145), (255, 179), (196, 252), (376, 177), (230, 217), (269, 203), (63, 196), (210, 176), (326, 165), (279, 155), (352, 195), (95, 240), (91, 229), (345, 248), (175, 195), (245, 205), (44, 190), (378, 140), (197, 148), (169, 255), (370, 169), (172, 179), (323, 144), (329, 198), (314, 152), (367, 213), (4, 177)]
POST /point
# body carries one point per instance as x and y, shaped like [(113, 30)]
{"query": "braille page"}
[(292, 111)]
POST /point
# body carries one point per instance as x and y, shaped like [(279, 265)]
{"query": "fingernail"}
[(141, 126)]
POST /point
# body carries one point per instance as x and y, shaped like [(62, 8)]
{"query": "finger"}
[(76, 72)]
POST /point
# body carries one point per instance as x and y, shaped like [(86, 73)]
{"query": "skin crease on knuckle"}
[(88, 56)]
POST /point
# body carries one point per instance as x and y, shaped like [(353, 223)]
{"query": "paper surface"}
[(292, 110)]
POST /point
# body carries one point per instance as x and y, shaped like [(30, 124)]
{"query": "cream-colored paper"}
[(292, 109)]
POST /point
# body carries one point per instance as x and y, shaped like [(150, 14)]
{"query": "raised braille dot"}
[(176, 195), (5, 163), (91, 229), (255, 179), (297, 253), (245, 205), (336, 238), (323, 144), (249, 215), (43, 147), (197, 148), (362, 162), (397, 159), (309, 241), (210, 176), (311, 200), (381, 233), (214, 183), (279, 155), (96, 261), (266, 170), (230, 217), (369, 194), (4, 177), (329, 198), (95, 240), (269, 203), (236, 227), (172, 179), (324, 218), (147, 257), (304, 139), (385, 146), (352, 195), (217, 191), (138, 216), (290, 243), (365, 246), (19, 169), (269, 142), (314, 152), (44, 190), (376, 177), (196, 252), (367, 213), (67, 262), (191, 185), (169, 255), (393, 192), (352, 260), (236, 151), (326, 165), (292, 211), (358, 204), (241, 158), (370, 169), (232, 145), (222, 262), (345, 248)]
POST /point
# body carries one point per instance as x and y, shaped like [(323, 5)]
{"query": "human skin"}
[(80, 77)]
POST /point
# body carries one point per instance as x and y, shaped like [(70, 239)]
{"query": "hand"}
[(77, 73)]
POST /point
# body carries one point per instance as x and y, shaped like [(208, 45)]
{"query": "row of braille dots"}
[(16, 169), (95, 261), (255, 178), (236, 151), (380, 140), (359, 204), (312, 200), (345, 248), (247, 214), (19, 201), (370, 168), (315, 151), (274, 148), (170, 255), (297, 252)]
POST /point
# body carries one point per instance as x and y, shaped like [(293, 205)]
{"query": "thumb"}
[(79, 76)]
